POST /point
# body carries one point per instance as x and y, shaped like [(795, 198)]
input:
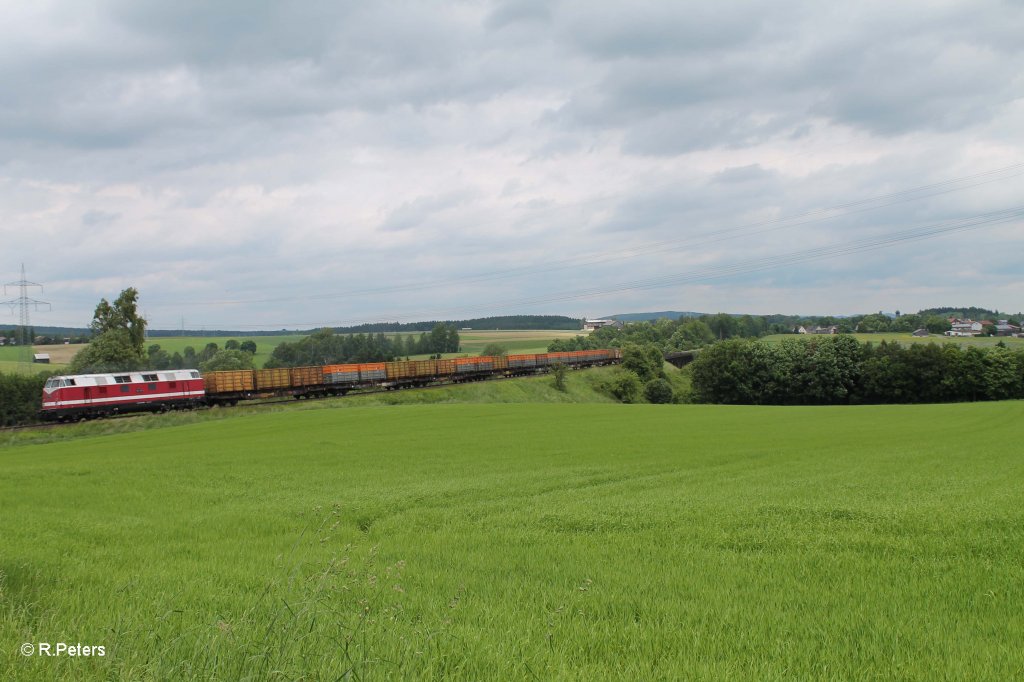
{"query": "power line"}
[(715, 236), (716, 272), (23, 302)]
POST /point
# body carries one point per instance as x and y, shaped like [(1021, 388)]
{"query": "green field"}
[(528, 541), (264, 344), (10, 361), (906, 339), (473, 342)]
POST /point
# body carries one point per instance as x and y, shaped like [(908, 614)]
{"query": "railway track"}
[(274, 401)]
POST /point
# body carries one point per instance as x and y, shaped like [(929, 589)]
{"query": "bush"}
[(227, 360), (624, 386), (645, 360), (20, 398), (559, 371), (837, 370), (494, 350), (658, 391)]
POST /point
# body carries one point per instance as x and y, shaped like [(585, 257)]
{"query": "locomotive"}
[(88, 396), (102, 395)]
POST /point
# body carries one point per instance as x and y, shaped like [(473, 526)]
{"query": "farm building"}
[(1004, 328), (41, 358), (591, 325)]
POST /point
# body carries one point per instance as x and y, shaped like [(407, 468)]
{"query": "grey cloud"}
[(650, 28), (97, 217), (743, 174), (260, 133), (921, 68), (423, 210), (519, 12)]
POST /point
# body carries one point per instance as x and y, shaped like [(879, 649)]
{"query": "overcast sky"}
[(279, 165)]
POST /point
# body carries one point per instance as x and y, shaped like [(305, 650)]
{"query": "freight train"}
[(86, 396)]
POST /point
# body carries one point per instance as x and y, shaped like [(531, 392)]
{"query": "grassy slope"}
[(525, 541)]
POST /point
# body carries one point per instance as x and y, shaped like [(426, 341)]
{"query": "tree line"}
[(325, 347), (686, 333), (479, 323), (839, 370)]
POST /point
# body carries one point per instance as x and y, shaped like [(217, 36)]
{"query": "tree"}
[(228, 360), (644, 360), (495, 350), (119, 335), (559, 372), (112, 351), (208, 352), (624, 387), (231, 344), (937, 324), (20, 397), (123, 315), (248, 347), (658, 391), (690, 334), (723, 326), (158, 358)]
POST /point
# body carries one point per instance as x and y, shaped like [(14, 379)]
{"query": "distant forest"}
[(501, 322), (772, 324)]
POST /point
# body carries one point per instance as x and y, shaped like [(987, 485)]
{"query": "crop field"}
[(907, 339), (534, 341), (10, 359), (528, 541)]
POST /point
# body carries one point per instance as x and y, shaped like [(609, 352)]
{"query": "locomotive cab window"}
[(195, 375), (71, 382)]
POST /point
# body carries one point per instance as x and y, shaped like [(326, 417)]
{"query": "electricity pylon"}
[(23, 302)]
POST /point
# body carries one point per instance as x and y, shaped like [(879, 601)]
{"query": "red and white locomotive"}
[(100, 395)]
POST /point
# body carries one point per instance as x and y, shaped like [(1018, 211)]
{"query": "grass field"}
[(10, 359), (264, 344), (523, 542), (473, 342), (906, 339)]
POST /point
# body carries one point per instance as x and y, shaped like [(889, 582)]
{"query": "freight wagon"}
[(91, 395)]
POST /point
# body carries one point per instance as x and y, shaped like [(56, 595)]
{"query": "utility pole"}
[(23, 302)]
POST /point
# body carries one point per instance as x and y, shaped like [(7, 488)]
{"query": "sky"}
[(255, 165)]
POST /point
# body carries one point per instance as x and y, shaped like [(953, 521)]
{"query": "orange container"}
[(341, 374), (372, 371)]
